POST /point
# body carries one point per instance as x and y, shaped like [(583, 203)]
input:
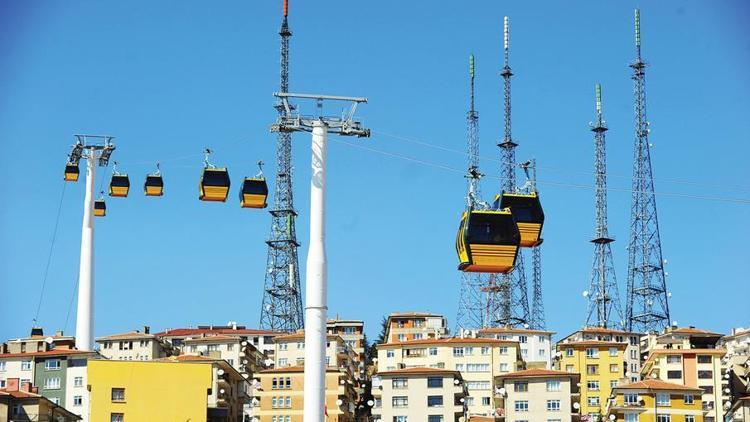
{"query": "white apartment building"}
[(539, 395), (290, 351), (407, 326), (134, 345), (536, 345), (479, 360), (261, 339), (418, 394)]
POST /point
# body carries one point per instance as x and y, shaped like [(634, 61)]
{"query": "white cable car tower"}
[(96, 152), (316, 280)]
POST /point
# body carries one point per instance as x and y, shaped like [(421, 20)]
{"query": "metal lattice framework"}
[(508, 303), (282, 297), (538, 320), (604, 299), (647, 305), (471, 302)]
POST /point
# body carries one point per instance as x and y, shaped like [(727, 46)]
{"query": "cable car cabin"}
[(254, 193), (154, 185), (528, 213), (100, 208), (119, 186), (71, 172), (487, 241), (214, 185)]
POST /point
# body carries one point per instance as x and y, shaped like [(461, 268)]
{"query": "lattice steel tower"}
[(508, 302), (471, 302), (603, 294), (537, 321), (282, 299), (647, 305)]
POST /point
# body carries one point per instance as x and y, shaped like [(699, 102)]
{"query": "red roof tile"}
[(450, 340), (653, 384), (420, 371), (54, 352), (182, 332), (539, 373)]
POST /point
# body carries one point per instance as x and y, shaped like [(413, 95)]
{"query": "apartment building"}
[(690, 357), (193, 388), (241, 354), (280, 397), (351, 330), (290, 351), (736, 365), (419, 395), (539, 395), (600, 365), (632, 355), (134, 345), (20, 402), (261, 339), (479, 360), (655, 401), (407, 326), (536, 345), (739, 411)]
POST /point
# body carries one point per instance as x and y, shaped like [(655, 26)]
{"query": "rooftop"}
[(53, 352), (654, 384), (209, 330), (420, 371), (448, 341), (126, 336), (413, 315), (503, 330), (587, 343), (540, 373)]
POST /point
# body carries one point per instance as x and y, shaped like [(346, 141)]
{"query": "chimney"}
[(59, 333), (11, 384), (35, 390), (26, 386), (146, 329), (36, 331)]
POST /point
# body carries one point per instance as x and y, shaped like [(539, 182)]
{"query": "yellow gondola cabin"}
[(487, 241), (528, 213), (214, 184)]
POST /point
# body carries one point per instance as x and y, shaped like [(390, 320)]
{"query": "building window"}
[(707, 389), (542, 352), (662, 399), (704, 359), (485, 350), (26, 365), (283, 362), (593, 401), (524, 353), (633, 354), (485, 401), (522, 339), (689, 418), (630, 399), (478, 367), (521, 405), (503, 367), (460, 367), (52, 364), (400, 419), (77, 400), (553, 385), (613, 367), (520, 386), (274, 383), (689, 399), (52, 383), (117, 417), (631, 417), (674, 375), (663, 418), (390, 353), (401, 337), (399, 383), (458, 352), (434, 401), (433, 351), (400, 401), (569, 368), (541, 339), (417, 336), (118, 394), (705, 375), (592, 385), (434, 382), (2, 383), (477, 385), (17, 409), (503, 350), (468, 351), (274, 404), (613, 384), (674, 358), (613, 351), (2, 365), (569, 351), (435, 418), (553, 405), (592, 369), (592, 353)]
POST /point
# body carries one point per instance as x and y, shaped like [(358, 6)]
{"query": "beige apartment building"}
[(539, 395), (631, 368), (407, 326), (242, 355), (690, 357), (479, 360), (536, 345), (418, 395), (261, 339), (351, 330), (280, 397), (134, 345), (290, 351)]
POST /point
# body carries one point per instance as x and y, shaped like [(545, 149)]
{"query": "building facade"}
[(479, 360), (407, 326), (22, 403), (536, 345), (539, 395), (655, 401), (632, 354), (419, 395), (134, 345), (261, 339)]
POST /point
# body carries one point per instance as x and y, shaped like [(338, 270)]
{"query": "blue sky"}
[(171, 78)]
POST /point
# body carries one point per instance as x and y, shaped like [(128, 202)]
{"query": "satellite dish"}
[(525, 325), (501, 390), (244, 343), (339, 402), (220, 372), (576, 405), (49, 340), (456, 382), (585, 293), (342, 382), (640, 398), (222, 391), (669, 294), (370, 403), (462, 400), (612, 417)]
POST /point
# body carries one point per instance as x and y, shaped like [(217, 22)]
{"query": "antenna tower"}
[(512, 308), (536, 320), (470, 297), (603, 294), (647, 305), (282, 299)]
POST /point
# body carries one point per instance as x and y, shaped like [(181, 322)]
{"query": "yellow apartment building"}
[(280, 397), (655, 401), (479, 360), (600, 364)]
